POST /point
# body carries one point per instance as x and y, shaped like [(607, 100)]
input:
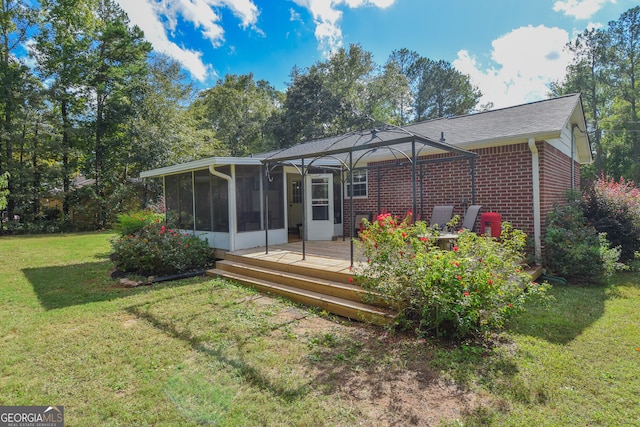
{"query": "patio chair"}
[(358, 220), (440, 216), (470, 217)]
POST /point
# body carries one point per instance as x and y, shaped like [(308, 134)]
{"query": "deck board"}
[(334, 255)]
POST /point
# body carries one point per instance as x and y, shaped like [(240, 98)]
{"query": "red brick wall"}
[(503, 185), (555, 179)]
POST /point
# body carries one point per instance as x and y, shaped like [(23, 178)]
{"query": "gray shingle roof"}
[(542, 118)]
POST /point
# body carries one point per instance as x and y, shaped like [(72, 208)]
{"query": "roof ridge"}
[(510, 107)]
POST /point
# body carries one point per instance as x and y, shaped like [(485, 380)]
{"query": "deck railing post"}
[(304, 211)]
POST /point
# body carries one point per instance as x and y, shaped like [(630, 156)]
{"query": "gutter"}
[(535, 178), (232, 204)]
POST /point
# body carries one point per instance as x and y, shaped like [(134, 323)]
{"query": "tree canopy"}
[(94, 106)]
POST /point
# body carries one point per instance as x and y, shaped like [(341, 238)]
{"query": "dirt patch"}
[(387, 377)]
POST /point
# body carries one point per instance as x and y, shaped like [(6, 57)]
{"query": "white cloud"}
[(145, 15), (156, 19), (326, 17), (246, 10), (525, 62), (580, 9)]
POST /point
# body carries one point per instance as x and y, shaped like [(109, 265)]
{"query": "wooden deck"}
[(323, 278), (330, 256)]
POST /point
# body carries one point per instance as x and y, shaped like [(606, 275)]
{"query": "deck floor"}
[(332, 255)]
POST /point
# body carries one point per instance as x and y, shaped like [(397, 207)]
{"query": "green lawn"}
[(203, 351)]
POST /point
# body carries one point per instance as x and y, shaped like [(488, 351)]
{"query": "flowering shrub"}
[(470, 290), (614, 208), (157, 250), (130, 223), (575, 250)]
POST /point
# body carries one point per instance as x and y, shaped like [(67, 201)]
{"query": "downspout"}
[(535, 178), (573, 144), (232, 205)]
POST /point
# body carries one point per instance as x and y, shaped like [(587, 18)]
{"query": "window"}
[(212, 204), (249, 198), (359, 184), (296, 192), (320, 199), (179, 200)]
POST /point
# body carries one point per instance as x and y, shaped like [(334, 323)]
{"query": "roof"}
[(199, 164), (542, 120)]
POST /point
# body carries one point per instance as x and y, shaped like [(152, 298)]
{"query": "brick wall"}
[(555, 179), (503, 184)]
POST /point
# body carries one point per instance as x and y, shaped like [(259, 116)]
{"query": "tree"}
[(625, 51), (408, 63), (16, 19), (61, 51), (444, 92), (328, 98), (116, 68), (4, 178), (308, 110), (238, 109), (589, 74), (389, 96), (163, 113)]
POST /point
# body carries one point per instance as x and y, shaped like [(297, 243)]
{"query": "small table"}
[(444, 239)]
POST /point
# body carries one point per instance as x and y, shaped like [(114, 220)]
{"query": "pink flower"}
[(466, 294), (490, 282), (455, 249), (459, 277), (350, 279)]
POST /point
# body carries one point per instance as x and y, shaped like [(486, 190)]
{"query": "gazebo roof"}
[(339, 147)]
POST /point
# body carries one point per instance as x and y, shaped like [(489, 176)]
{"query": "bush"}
[(614, 208), (131, 223), (158, 250), (575, 250), (471, 290)]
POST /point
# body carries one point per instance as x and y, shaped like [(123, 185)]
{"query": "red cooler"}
[(491, 224)]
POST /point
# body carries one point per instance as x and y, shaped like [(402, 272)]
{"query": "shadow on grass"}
[(215, 351), (575, 308), (77, 284)]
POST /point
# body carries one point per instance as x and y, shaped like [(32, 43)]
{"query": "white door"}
[(319, 207)]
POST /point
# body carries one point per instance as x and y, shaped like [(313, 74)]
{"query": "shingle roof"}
[(541, 117), (544, 118)]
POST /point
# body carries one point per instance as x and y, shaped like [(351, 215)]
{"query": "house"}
[(517, 161)]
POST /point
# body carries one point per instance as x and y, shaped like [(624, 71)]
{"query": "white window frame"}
[(363, 181)]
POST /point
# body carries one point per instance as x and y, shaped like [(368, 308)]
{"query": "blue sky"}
[(511, 49)]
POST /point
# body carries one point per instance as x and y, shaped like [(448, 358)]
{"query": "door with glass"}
[(319, 207)]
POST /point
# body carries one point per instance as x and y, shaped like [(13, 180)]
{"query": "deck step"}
[(299, 267), (336, 305), (345, 290)]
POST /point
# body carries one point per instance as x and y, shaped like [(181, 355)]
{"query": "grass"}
[(207, 352)]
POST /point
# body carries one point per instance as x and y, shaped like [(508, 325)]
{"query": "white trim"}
[(535, 178), (231, 203), (199, 164), (347, 184)]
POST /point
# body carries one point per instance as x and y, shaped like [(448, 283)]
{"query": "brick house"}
[(517, 161)]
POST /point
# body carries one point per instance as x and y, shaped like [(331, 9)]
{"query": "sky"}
[(511, 49)]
